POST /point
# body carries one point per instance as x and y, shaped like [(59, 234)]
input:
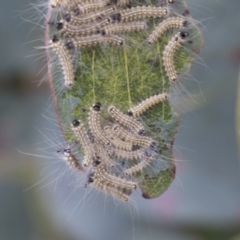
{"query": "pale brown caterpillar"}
[(115, 192), (125, 120), (138, 167), (146, 104), (67, 29), (102, 156), (169, 52), (64, 57), (94, 124), (101, 173), (88, 18), (118, 143), (80, 42), (90, 7), (173, 22), (82, 136), (134, 139), (124, 27), (141, 12), (126, 155)]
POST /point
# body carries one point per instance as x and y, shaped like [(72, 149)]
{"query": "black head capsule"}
[(96, 161), (54, 38), (130, 113), (67, 151), (184, 34), (59, 25), (67, 17), (77, 11), (185, 23), (97, 106), (142, 132), (75, 123), (69, 45)]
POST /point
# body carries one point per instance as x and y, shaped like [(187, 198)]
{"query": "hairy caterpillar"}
[(82, 136), (123, 27), (141, 12), (88, 18), (118, 143), (146, 104), (168, 54), (134, 139), (94, 124), (69, 30), (173, 22), (93, 40), (65, 59), (125, 120)]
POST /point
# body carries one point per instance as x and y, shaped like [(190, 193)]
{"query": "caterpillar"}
[(94, 124), (168, 54), (90, 7), (123, 27), (138, 167), (101, 173), (82, 136), (80, 42), (89, 18), (125, 120), (64, 57), (132, 138), (141, 12), (115, 192), (173, 22), (146, 104), (137, 154), (66, 29), (118, 143)]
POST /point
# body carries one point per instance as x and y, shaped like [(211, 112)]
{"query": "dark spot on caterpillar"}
[(75, 123)]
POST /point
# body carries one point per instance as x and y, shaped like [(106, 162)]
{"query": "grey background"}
[(204, 200)]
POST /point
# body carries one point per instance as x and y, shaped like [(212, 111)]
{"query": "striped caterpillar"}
[(101, 173), (146, 104), (119, 193), (71, 160), (126, 155), (82, 136), (173, 22), (125, 120), (124, 27), (168, 54), (65, 59), (141, 12), (90, 7), (94, 124), (118, 143), (66, 29), (134, 139), (80, 42), (89, 18)]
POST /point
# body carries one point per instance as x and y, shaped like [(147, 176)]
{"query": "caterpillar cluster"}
[(121, 138)]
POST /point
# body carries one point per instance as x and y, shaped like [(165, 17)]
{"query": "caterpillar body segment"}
[(125, 120), (173, 22), (72, 160), (123, 27), (90, 7), (64, 57), (143, 106), (142, 12), (133, 155), (81, 42), (169, 52)]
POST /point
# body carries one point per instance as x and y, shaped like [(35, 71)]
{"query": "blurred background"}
[(39, 200)]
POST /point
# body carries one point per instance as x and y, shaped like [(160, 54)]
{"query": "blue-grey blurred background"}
[(204, 200)]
